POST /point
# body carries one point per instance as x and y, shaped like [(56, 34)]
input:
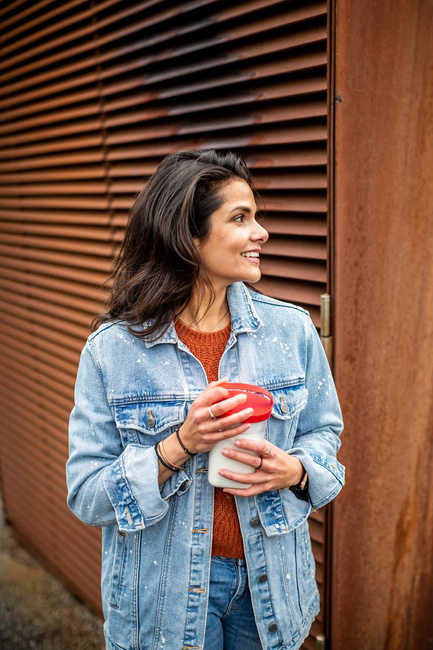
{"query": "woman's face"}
[(231, 252)]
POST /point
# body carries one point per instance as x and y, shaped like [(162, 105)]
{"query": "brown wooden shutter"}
[(93, 94)]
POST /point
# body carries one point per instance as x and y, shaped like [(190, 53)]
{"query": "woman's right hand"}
[(199, 432)]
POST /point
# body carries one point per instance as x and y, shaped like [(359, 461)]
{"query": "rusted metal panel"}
[(383, 569)]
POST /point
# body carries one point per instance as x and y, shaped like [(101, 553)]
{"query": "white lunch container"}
[(261, 401)]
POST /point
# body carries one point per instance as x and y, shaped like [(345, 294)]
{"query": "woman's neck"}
[(198, 315)]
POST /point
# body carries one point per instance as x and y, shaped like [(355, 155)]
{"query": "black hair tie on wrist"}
[(172, 468), (182, 445)]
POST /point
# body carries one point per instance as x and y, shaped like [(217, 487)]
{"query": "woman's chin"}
[(253, 277)]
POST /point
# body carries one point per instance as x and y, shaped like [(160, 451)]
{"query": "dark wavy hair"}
[(158, 265)]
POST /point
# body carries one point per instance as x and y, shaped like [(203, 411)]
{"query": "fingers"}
[(255, 477), (247, 459), (215, 432), (217, 402), (258, 482), (220, 401), (247, 492), (261, 447), (212, 384), (231, 421)]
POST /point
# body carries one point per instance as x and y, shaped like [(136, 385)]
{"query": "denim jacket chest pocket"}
[(146, 421), (289, 400)]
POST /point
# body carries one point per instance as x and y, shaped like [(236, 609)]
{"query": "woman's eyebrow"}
[(244, 208)]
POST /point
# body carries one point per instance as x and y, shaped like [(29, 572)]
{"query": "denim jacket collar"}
[(244, 317)]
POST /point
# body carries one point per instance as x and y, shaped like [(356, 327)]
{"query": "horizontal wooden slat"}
[(65, 345), (65, 260), (258, 93), (56, 324), (42, 378), (34, 24), (35, 305), (39, 338), (311, 248), (100, 248), (281, 267), (298, 37)]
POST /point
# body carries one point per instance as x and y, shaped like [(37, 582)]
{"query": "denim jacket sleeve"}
[(320, 424), (108, 484)]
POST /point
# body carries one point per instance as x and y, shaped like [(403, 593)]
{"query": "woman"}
[(186, 566)]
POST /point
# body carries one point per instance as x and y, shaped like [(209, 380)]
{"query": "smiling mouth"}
[(251, 254)]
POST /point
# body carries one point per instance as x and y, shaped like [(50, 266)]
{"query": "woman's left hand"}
[(275, 469)]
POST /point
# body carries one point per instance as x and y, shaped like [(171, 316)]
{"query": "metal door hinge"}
[(325, 325)]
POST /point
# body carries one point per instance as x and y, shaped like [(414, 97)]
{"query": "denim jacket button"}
[(272, 627), (255, 522), (151, 421), (263, 577)]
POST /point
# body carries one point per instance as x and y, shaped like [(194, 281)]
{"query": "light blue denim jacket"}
[(157, 541)]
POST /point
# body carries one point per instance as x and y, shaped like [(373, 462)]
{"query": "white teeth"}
[(251, 254)]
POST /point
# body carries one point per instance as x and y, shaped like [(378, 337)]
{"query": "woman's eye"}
[(239, 218)]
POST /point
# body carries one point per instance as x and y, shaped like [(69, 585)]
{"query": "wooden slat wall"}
[(93, 94)]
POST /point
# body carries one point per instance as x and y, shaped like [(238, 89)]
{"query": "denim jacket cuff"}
[(132, 486), (325, 475)]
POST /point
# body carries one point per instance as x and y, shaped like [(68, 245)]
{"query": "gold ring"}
[(212, 416), (268, 451)]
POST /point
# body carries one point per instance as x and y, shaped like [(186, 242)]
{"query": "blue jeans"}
[(230, 621)]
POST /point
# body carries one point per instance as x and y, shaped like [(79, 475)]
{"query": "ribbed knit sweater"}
[(208, 347)]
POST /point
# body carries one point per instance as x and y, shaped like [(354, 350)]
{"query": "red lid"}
[(258, 398)]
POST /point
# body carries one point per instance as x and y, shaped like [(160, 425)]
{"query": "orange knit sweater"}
[(208, 347)]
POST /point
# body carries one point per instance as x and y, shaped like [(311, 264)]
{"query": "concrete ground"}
[(36, 611)]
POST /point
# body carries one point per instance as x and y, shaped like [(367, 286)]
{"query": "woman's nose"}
[(259, 233)]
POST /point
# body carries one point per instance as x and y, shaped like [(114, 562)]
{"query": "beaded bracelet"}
[(182, 445)]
